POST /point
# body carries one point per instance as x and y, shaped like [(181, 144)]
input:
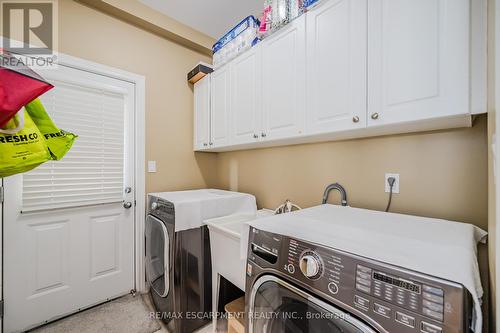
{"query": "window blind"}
[(93, 170)]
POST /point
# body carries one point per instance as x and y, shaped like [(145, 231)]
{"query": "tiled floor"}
[(149, 304), (125, 314)]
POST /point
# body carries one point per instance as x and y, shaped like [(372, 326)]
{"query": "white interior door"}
[(69, 238)]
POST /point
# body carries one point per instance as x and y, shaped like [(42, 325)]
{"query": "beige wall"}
[(89, 34), (443, 174)]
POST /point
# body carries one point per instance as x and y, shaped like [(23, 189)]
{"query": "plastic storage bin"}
[(242, 37), (308, 3), (281, 12)]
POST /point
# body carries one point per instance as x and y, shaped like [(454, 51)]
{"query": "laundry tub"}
[(226, 248)]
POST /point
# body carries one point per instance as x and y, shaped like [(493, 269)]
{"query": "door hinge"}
[(1, 309), (1, 194)]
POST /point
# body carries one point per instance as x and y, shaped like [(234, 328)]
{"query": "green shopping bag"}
[(23, 150), (58, 141)]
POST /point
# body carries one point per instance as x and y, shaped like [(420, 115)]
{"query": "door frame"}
[(139, 82)]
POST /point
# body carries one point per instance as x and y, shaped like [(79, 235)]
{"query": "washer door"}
[(278, 307), (157, 256)]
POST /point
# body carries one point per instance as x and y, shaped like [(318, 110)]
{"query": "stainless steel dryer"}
[(178, 269), (297, 286)]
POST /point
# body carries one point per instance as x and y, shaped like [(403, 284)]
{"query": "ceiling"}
[(212, 17)]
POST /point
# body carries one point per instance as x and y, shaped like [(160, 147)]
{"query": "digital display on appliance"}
[(414, 288)]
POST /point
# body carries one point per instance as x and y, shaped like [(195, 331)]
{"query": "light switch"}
[(151, 166)]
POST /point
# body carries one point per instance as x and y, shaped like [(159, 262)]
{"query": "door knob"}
[(375, 116), (127, 205), (355, 119)]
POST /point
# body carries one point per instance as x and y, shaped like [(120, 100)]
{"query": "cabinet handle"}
[(263, 134), (375, 116), (355, 119), (205, 144), (211, 143), (255, 136)]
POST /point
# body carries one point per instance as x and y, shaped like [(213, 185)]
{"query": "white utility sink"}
[(225, 237), (228, 254)]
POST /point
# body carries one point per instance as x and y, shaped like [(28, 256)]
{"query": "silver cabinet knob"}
[(128, 189), (127, 205), (255, 136), (375, 116), (355, 119), (263, 134)]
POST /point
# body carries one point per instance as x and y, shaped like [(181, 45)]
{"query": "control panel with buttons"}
[(391, 298)]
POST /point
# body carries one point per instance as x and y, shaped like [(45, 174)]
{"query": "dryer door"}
[(157, 256), (276, 307)]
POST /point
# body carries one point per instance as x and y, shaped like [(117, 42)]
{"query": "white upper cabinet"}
[(220, 110), (283, 81), (349, 69), (336, 66), (246, 107), (202, 113), (418, 60)]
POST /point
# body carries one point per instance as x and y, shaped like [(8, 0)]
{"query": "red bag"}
[(19, 85)]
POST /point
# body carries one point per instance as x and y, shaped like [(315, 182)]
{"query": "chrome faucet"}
[(339, 188)]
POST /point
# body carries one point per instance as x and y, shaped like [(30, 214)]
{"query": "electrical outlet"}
[(395, 188)]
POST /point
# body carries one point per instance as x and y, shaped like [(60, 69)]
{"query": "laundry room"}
[(249, 166)]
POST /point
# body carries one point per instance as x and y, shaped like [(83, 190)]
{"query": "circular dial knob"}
[(310, 265)]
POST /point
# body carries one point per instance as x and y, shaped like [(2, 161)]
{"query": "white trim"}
[(140, 144)]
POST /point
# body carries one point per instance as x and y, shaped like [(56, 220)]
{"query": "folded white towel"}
[(436, 247), (193, 207)]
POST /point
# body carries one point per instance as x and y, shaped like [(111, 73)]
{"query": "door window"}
[(93, 170), (278, 307), (157, 246)]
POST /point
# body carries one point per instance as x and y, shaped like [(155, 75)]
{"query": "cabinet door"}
[(246, 97), (336, 66), (283, 78), (202, 113), (220, 112), (418, 60)]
